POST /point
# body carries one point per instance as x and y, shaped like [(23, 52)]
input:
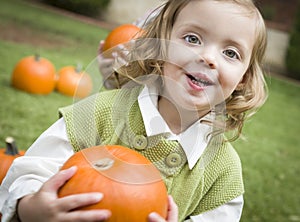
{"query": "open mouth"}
[(199, 81)]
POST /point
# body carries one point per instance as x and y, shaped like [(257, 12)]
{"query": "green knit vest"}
[(113, 117)]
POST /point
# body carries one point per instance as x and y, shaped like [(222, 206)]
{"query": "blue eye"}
[(192, 39), (231, 54)]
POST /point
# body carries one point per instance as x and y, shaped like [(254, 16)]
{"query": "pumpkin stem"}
[(11, 147), (78, 68), (103, 164), (37, 57)]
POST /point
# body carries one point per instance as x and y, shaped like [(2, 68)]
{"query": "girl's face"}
[(209, 52)]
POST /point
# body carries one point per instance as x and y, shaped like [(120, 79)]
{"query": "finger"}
[(100, 47), (72, 202), (106, 62), (120, 61), (123, 50), (88, 215), (55, 182), (155, 217), (172, 210)]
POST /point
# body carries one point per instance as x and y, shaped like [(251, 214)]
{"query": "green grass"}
[(270, 154), (61, 40)]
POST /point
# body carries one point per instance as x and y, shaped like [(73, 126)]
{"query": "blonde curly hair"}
[(243, 102)]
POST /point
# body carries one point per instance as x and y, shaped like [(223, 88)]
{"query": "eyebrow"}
[(192, 26)]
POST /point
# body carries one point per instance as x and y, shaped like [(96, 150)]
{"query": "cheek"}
[(229, 83), (172, 77), (170, 71), (179, 54)]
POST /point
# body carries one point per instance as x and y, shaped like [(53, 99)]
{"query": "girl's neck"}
[(177, 119)]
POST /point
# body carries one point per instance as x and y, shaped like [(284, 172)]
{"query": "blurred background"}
[(68, 32)]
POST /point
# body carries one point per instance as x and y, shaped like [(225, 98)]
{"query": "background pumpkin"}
[(34, 74), (121, 35), (131, 184), (7, 156), (72, 81)]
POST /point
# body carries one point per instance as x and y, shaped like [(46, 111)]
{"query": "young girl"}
[(207, 71)]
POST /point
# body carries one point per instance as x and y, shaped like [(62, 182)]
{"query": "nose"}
[(208, 57)]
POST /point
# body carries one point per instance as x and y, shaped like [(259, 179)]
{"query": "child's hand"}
[(105, 64), (46, 206), (118, 58), (172, 213)]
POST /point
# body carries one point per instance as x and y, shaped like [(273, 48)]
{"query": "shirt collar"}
[(193, 140)]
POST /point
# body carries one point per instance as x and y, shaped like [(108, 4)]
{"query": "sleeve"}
[(229, 212), (27, 173)]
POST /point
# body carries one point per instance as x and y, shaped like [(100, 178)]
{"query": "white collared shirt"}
[(48, 153), (193, 140)]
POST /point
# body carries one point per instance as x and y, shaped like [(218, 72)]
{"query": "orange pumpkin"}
[(74, 82), (121, 35), (7, 156), (131, 184), (34, 74)]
